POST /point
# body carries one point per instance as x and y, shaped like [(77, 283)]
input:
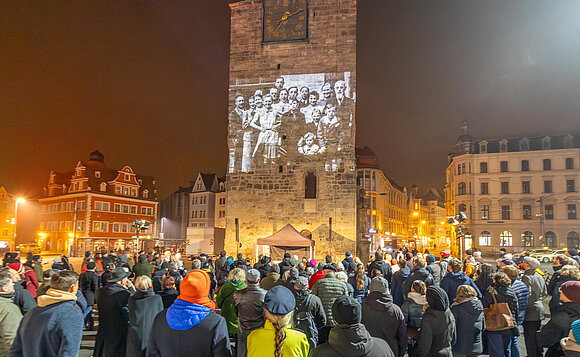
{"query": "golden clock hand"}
[(294, 13)]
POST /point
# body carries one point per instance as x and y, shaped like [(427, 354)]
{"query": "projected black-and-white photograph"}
[(291, 116)]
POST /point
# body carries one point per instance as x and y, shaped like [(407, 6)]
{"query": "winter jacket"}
[(359, 295), (384, 267), (157, 279), (443, 263), (53, 329), (289, 283), (558, 327), (417, 273), (219, 265), (88, 285), (352, 341), (383, 319), (522, 294), (248, 304), (186, 321), (468, 316), (168, 296), (285, 265), (143, 268), (261, 342), (111, 340), (437, 333), (397, 282), (502, 294), (144, 305), (38, 271), (30, 281), (555, 302), (315, 277), (349, 262), (22, 298), (10, 317), (328, 290), (306, 301), (264, 270), (535, 282), (225, 301), (452, 281), (270, 280), (570, 348), (435, 271), (413, 309)]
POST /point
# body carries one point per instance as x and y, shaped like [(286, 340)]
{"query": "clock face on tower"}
[(285, 20)]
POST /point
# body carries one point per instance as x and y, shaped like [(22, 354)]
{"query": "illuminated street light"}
[(415, 213), (18, 201)]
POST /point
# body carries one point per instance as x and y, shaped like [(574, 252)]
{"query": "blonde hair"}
[(360, 276), (464, 292), (570, 270), (279, 322), (237, 274), (143, 282), (511, 271)]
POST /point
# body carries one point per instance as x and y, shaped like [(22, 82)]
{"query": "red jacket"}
[(315, 277)]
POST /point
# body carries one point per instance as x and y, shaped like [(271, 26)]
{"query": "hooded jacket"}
[(437, 333), (397, 285), (435, 270), (383, 319), (468, 316), (352, 341), (144, 305), (306, 301), (417, 273), (186, 321), (384, 267), (506, 295), (452, 281), (558, 327), (270, 280), (111, 337), (225, 301), (413, 309), (349, 262), (289, 283), (10, 317)]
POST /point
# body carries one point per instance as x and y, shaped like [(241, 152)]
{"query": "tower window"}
[(310, 186)]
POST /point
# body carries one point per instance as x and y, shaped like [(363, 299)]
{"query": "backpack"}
[(304, 322)]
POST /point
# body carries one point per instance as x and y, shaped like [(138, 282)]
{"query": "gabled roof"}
[(286, 237)]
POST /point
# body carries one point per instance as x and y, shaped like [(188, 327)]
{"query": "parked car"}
[(26, 248), (543, 255)]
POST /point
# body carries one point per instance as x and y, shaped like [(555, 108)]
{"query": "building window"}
[(484, 188), (101, 206), (485, 212), (133, 209), (569, 163), (116, 227), (546, 143), (505, 188), (524, 144), (525, 165), (461, 188), (505, 239), (505, 213), (483, 167), (148, 211), (550, 239), (548, 186), (98, 174), (547, 164), (81, 205), (528, 239), (568, 139), (503, 145), (202, 213), (134, 192), (310, 186), (527, 211), (125, 208), (570, 185), (127, 177), (483, 147), (193, 214), (145, 193), (100, 226), (117, 207), (463, 169), (571, 211), (549, 211), (485, 239), (525, 186), (503, 166)]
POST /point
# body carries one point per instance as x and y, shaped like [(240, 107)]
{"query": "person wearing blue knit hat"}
[(569, 344)]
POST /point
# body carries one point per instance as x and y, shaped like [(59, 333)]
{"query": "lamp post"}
[(17, 202)]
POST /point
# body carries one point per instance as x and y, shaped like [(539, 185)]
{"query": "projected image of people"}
[(291, 117)]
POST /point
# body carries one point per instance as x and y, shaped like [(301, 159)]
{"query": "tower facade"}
[(292, 98)]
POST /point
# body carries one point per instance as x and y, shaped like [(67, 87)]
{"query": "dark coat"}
[(185, 321), (359, 295), (452, 281), (54, 330), (383, 319), (270, 280), (88, 284), (248, 305), (384, 267), (168, 297), (413, 312), (111, 340), (418, 273), (437, 333), (506, 295), (522, 294), (555, 302), (397, 285), (144, 305), (558, 327), (305, 301), (469, 326), (350, 341), (23, 299)]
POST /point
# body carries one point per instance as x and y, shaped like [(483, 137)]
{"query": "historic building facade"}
[(7, 223), (292, 123), (518, 193), (93, 207)]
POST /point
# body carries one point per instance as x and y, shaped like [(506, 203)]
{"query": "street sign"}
[(372, 231)]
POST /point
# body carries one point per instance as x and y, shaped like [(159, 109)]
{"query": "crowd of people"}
[(401, 302)]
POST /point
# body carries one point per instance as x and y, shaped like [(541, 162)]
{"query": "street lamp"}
[(17, 202)]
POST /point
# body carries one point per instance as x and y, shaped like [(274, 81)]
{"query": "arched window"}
[(528, 239), (310, 185), (505, 239), (550, 239), (573, 240), (485, 239)]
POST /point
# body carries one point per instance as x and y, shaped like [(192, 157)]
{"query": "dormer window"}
[(140, 182), (503, 145), (103, 186), (483, 147), (127, 177), (77, 172), (546, 143), (524, 144), (568, 141), (98, 174), (145, 193)]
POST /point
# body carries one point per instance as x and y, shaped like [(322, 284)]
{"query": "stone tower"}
[(292, 100)]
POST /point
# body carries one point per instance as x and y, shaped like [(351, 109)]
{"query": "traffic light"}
[(141, 224)]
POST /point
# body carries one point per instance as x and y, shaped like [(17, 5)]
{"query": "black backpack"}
[(304, 322)]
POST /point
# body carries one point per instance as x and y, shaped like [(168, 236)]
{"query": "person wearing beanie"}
[(277, 338), (348, 262), (437, 333), (190, 318), (248, 306), (559, 325), (264, 266), (570, 344), (350, 337), (382, 318), (225, 298), (309, 310), (29, 280), (285, 264), (328, 289), (381, 265), (143, 267), (272, 278), (293, 274), (434, 269), (88, 285), (535, 308), (318, 275)]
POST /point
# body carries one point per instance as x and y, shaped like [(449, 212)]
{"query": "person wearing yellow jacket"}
[(277, 338)]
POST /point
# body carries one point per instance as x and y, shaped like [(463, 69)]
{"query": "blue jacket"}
[(469, 326), (397, 285), (451, 282), (359, 295), (522, 293), (52, 330)]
